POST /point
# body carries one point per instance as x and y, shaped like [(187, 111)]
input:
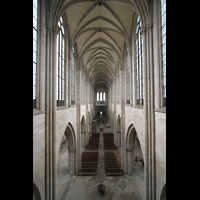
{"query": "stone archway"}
[(134, 156), (36, 193), (119, 131), (163, 193), (71, 148), (83, 132), (69, 142)]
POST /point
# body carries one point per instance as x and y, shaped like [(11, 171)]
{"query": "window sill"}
[(162, 110), (38, 112)]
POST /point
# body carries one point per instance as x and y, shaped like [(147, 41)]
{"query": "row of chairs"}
[(111, 166), (89, 157), (89, 164), (86, 172), (109, 141), (93, 142)]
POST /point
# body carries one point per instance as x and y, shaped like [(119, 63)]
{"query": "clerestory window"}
[(60, 64), (35, 35), (139, 63), (163, 30)]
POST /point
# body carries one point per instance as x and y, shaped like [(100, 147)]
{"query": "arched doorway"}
[(83, 132), (67, 155), (163, 193), (134, 156), (36, 193), (119, 131)]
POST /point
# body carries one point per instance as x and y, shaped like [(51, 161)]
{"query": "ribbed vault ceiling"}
[(100, 31)]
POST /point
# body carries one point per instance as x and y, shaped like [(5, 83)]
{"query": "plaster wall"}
[(83, 112), (64, 116), (135, 116), (160, 131), (39, 153)]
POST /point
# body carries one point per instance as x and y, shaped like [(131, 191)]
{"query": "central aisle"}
[(80, 187), (100, 172)]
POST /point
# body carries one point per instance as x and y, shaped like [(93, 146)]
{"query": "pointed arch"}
[(69, 132), (163, 193), (119, 131), (130, 158), (83, 132), (36, 192)]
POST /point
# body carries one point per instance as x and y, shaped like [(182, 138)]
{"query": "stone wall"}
[(160, 131), (39, 153)]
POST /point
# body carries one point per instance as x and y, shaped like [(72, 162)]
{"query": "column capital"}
[(130, 150), (150, 26), (143, 30), (55, 30), (71, 150)]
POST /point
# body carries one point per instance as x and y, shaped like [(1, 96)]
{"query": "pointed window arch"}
[(128, 72), (139, 63), (72, 76), (163, 31), (60, 64), (35, 36)]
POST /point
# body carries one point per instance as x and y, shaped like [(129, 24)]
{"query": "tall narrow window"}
[(163, 30), (35, 31), (139, 63), (60, 64), (72, 77), (127, 76), (104, 96), (97, 96), (100, 96)]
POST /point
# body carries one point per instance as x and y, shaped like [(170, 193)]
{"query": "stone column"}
[(78, 118), (152, 115), (69, 78), (119, 139), (83, 139), (42, 54), (146, 153), (66, 72), (123, 145), (54, 108), (47, 122), (71, 162), (130, 157)]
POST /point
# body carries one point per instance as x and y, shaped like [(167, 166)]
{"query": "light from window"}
[(100, 96), (97, 96), (163, 29), (139, 63), (60, 78), (35, 31), (104, 96), (127, 76), (72, 77)]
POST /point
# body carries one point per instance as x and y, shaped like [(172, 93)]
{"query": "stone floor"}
[(80, 187)]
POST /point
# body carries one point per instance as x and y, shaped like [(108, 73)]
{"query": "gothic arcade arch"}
[(119, 131), (83, 132), (71, 147), (131, 152), (36, 192), (163, 193)]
